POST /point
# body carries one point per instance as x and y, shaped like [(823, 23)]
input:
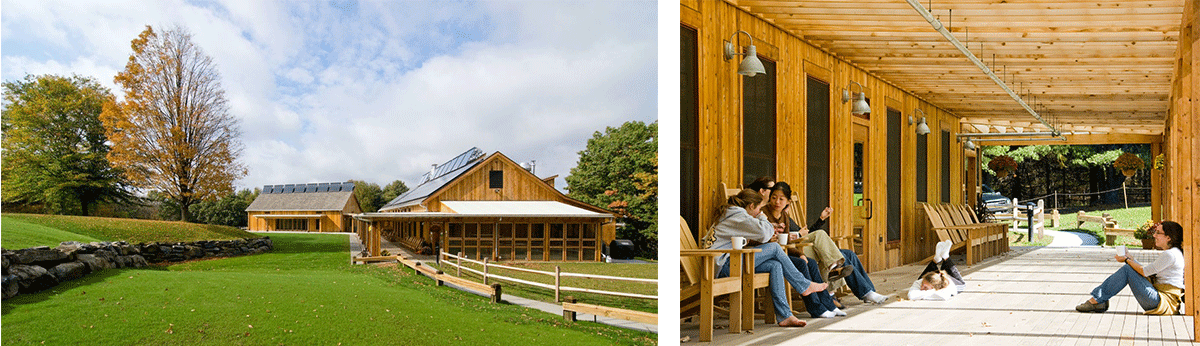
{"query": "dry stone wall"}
[(38, 268)]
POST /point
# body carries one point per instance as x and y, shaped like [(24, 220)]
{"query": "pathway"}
[(1026, 296)]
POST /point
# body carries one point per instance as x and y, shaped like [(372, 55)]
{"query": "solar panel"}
[(311, 187), (323, 187), (347, 186), (457, 162)]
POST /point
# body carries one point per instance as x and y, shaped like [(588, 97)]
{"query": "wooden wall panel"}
[(1182, 150), (519, 185), (720, 126)]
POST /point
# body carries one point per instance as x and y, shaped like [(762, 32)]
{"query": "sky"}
[(376, 91)]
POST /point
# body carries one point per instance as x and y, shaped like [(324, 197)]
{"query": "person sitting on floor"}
[(938, 283), (1158, 296), (742, 217)]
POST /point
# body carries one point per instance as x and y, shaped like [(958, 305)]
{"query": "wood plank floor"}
[(1024, 297)]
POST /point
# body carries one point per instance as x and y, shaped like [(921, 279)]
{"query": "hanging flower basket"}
[(1002, 165), (1159, 162), (1128, 163)]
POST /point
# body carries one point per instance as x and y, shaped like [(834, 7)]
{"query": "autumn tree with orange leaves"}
[(173, 132)]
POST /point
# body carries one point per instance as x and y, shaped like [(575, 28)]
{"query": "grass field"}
[(1129, 218), (88, 229), (631, 270), (303, 293)]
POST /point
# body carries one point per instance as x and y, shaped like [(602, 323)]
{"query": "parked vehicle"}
[(994, 200)]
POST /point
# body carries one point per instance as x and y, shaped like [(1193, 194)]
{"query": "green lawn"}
[(81, 228), (1018, 239), (631, 270), (1129, 218), (303, 293), (19, 234)]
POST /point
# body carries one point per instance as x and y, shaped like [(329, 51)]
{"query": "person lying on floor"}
[(938, 283)]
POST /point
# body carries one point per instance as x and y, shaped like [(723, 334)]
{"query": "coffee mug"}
[(738, 242), (1121, 250), (782, 238)]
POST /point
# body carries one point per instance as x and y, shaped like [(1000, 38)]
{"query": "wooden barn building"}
[(876, 107), (316, 207), (490, 207)]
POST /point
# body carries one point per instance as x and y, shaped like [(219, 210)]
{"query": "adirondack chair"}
[(700, 287), (762, 298), (997, 233), (962, 237)]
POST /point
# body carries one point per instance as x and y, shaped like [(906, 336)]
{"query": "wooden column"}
[(1183, 146), (1156, 183)]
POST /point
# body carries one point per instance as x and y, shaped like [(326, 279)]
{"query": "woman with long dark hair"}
[(1158, 296)]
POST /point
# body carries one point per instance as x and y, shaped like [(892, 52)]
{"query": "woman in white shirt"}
[(938, 282), (1160, 296)]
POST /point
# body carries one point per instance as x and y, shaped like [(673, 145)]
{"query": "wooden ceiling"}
[(1096, 66)]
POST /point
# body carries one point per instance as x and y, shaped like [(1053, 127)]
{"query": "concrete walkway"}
[(1024, 297)]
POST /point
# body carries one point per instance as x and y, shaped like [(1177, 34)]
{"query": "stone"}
[(41, 254), (33, 278), (95, 263), (69, 247), (69, 271), (11, 286), (137, 261)]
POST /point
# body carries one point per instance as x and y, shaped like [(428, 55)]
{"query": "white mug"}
[(738, 242), (1121, 250), (782, 238)]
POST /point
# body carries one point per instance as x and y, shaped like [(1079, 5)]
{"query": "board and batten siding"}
[(720, 129)]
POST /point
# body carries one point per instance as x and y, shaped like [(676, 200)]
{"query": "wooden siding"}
[(330, 221), (720, 128), (1181, 188), (519, 185)]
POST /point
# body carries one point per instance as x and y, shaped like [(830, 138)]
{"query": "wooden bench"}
[(1081, 218), (980, 240), (700, 286), (571, 307)]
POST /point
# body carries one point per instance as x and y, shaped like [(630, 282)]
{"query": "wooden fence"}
[(557, 275)]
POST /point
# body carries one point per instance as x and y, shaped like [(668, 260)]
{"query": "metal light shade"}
[(751, 66), (970, 145), (860, 105), (922, 128)]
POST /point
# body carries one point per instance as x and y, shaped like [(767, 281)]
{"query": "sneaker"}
[(1087, 306), (835, 265), (839, 273), (839, 312), (875, 298)]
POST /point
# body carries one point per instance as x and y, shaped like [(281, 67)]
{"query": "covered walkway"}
[(1025, 297)]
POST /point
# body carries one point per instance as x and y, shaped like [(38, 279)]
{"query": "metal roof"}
[(455, 167)]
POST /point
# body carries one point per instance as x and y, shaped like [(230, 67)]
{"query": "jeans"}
[(818, 302), (774, 260), (858, 280), (1139, 285)]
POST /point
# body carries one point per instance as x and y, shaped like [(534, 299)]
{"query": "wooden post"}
[(496, 297), (569, 315), (438, 278), (557, 276), (485, 271), (1125, 193), (458, 260)]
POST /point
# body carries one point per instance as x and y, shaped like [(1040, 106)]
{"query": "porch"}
[(1025, 297)]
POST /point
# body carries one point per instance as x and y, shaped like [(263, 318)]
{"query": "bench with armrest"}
[(700, 287), (979, 240)]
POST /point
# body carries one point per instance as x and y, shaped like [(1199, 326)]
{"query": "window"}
[(945, 166), (758, 124), (895, 122), (817, 189), (922, 156), (689, 131), (496, 180), (291, 224)]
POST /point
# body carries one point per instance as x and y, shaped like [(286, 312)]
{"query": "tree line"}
[(1074, 169)]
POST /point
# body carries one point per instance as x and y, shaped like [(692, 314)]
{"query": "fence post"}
[(1041, 219), (569, 315), (496, 297), (1029, 214), (485, 270), (458, 260), (557, 272)]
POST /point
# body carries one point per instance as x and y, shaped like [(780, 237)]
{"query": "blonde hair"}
[(936, 279)]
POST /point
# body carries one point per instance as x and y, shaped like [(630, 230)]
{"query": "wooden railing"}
[(557, 275)]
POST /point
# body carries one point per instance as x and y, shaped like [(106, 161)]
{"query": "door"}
[(862, 203)]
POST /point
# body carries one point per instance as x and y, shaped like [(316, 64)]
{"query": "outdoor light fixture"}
[(970, 145), (922, 128), (750, 66), (860, 105)]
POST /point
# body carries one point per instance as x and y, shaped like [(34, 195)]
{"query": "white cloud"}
[(378, 91)]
